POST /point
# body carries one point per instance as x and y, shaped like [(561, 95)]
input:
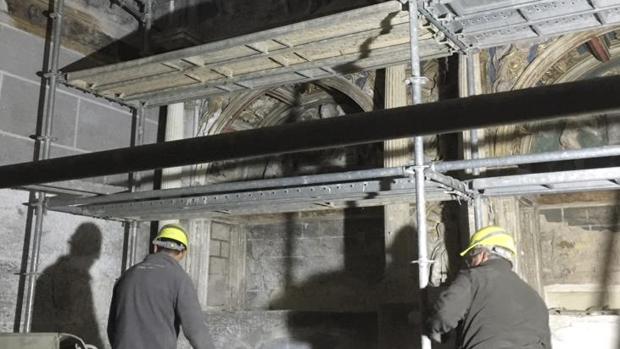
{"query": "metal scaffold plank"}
[(358, 193), (478, 24), (345, 42), (548, 183)]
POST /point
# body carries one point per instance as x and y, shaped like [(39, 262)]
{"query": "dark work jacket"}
[(498, 310), (151, 301)]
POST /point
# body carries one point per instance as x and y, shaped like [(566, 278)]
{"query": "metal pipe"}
[(148, 23), (478, 217), (416, 86), (45, 141), (473, 139), (548, 179), (135, 179), (560, 155), (133, 242), (539, 103), (471, 91), (393, 172)]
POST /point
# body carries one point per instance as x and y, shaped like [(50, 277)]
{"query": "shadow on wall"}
[(63, 300)]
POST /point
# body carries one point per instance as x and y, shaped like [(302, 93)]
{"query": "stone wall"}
[(81, 123), (80, 257), (80, 260), (585, 331), (580, 255), (329, 262)]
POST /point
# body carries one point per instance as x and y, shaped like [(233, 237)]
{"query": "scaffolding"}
[(192, 73)]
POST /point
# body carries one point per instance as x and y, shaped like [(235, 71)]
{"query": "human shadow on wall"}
[(63, 300)]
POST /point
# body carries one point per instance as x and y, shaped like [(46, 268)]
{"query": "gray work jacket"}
[(151, 301), (495, 308)]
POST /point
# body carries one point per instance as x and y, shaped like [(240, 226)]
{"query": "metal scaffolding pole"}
[(134, 186), (512, 160), (416, 85), (147, 22), (473, 140), (51, 82)]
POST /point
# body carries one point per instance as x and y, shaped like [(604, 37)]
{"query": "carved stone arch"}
[(551, 54), (284, 101), (539, 72), (242, 101)]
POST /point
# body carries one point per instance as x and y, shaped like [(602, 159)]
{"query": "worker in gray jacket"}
[(154, 298), (493, 306)]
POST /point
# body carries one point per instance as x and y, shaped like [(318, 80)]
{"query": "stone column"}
[(398, 285)]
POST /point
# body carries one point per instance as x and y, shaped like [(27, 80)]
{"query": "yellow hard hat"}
[(172, 232), (491, 236)]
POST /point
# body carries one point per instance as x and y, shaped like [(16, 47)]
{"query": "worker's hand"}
[(435, 337)]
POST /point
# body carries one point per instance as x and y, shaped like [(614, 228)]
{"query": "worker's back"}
[(151, 300), (505, 312)]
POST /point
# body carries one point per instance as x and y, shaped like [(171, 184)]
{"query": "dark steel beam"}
[(589, 97)]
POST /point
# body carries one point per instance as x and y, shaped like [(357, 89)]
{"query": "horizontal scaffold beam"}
[(582, 98)]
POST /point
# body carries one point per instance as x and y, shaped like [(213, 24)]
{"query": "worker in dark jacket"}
[(493, 306), (154, 298)]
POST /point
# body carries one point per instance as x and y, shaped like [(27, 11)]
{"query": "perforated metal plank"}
[(341, 43), (549, 183), (476, 24), (274, 200)]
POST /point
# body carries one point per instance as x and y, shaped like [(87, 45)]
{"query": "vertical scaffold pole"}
[(44, 139), (417, 81), (473, 139)]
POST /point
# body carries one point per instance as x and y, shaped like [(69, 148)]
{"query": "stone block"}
[(101, 128), (275, 231), (14, 150), (26, 54), (576, 216), (220, 231), (25, 58), (603, 215), (218, 291), (552, 215), (218, 266), (19, 109), (225, 249), (214, 248), (327, 228), (258, 249)]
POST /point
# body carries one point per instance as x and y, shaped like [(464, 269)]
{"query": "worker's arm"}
[(192, 318), (450, 307)]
